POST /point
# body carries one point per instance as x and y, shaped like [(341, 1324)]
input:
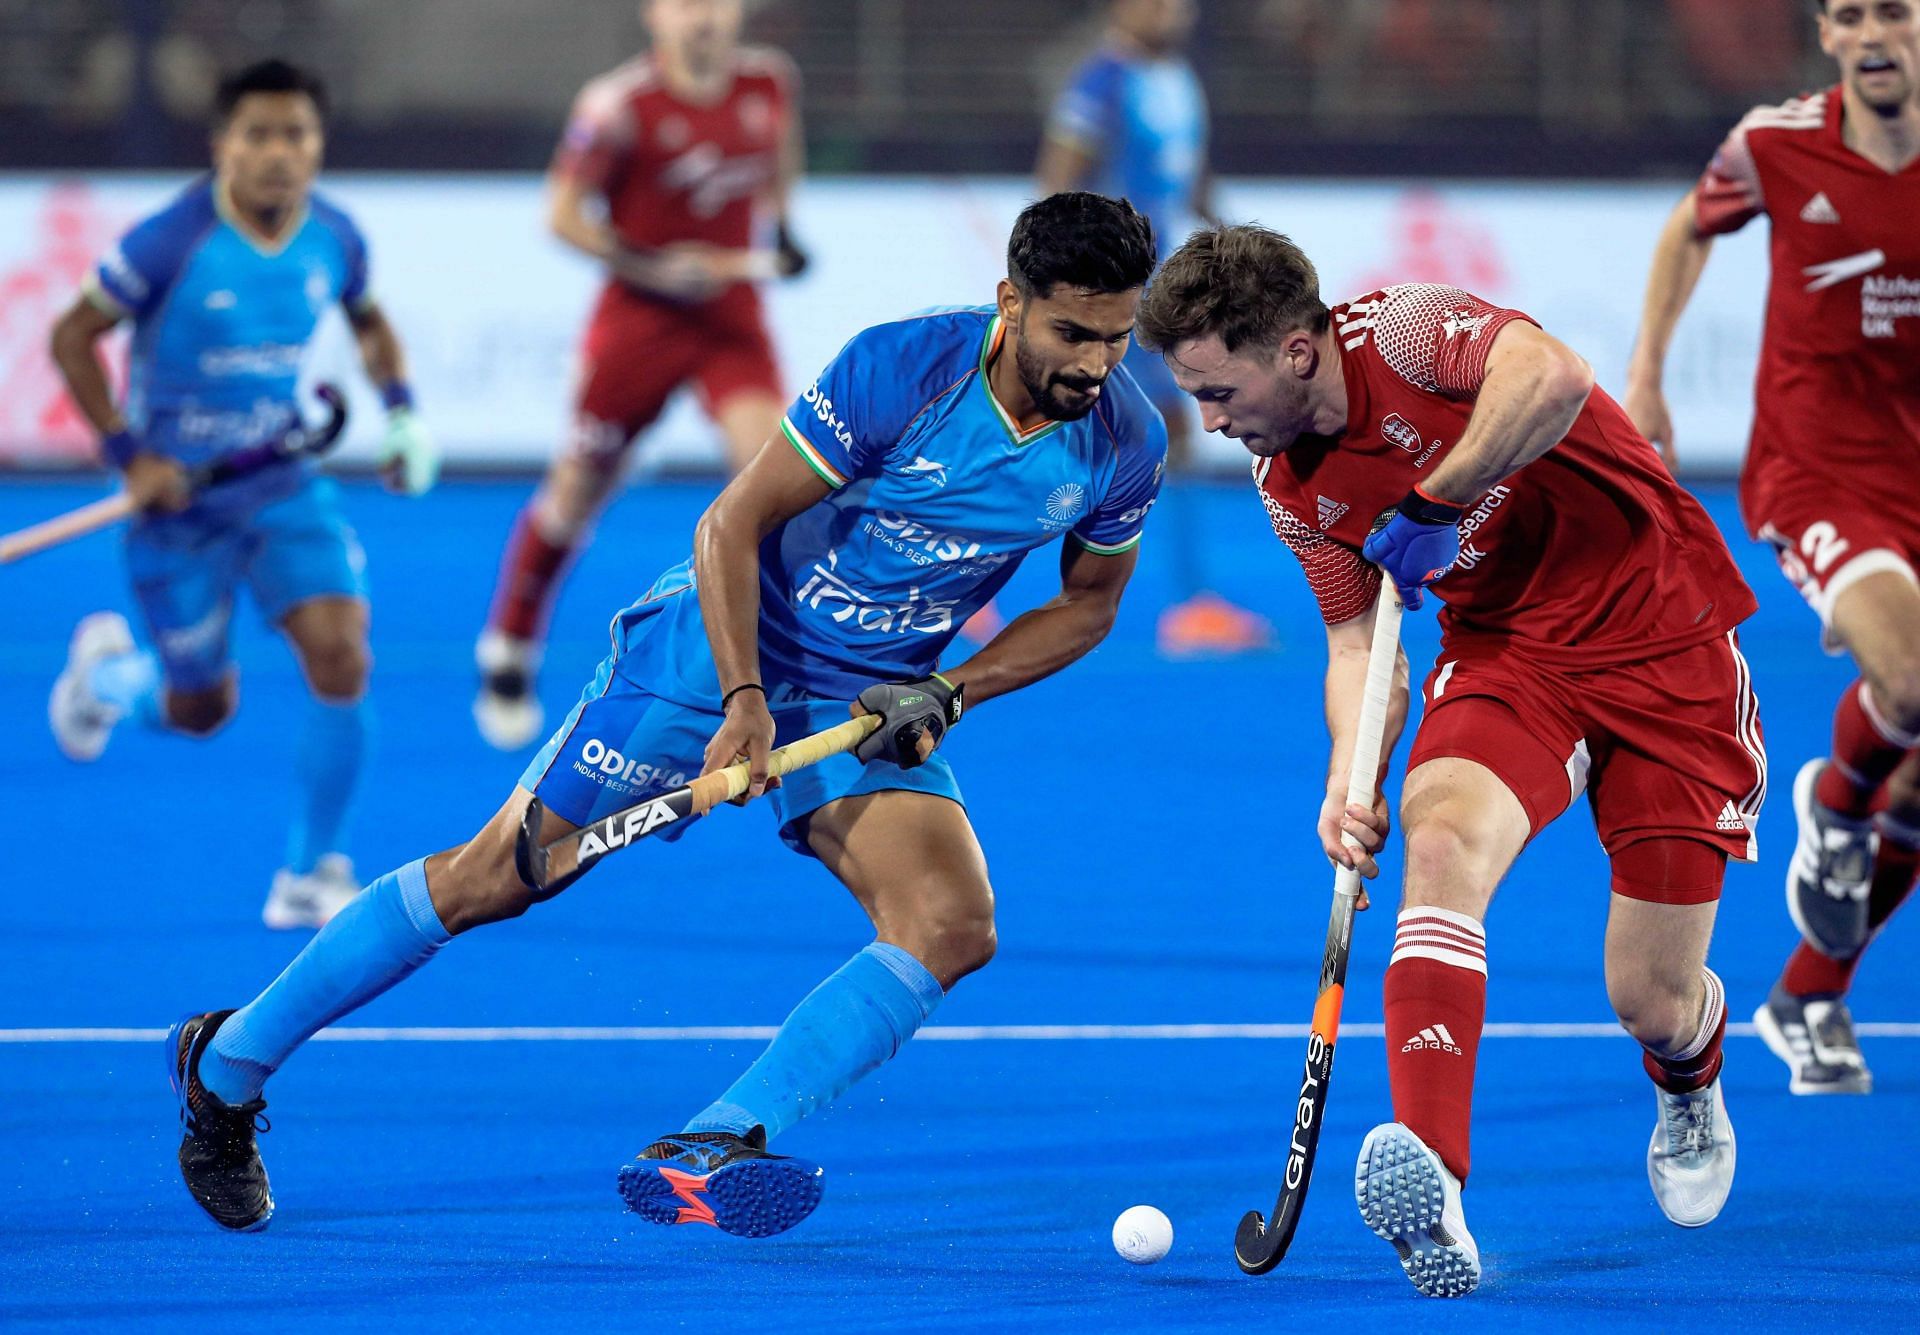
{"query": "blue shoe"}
[(718, 1178), (219, 1150)]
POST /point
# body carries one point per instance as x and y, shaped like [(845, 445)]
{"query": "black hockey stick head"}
[(299, 441), (533, 860), (1261, 1244)]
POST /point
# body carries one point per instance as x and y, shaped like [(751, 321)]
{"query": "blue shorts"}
[(634, 733), (185, 569)]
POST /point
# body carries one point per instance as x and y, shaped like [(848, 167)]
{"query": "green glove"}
[(409, 459)]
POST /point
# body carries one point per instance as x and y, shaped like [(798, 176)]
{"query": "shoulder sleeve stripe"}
[(1103, 549), (814, 459), (103, 300)]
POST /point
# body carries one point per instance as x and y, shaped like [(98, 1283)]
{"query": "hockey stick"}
[(1259, 1244), (547, 869), (91, 518)]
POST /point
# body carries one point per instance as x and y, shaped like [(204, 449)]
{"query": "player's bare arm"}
[(687, 271), (1039, 643), (1065, 164), (773, 488), (154, 481), (1348, 643), (1534, 389), (1679, 256), (409, 459)]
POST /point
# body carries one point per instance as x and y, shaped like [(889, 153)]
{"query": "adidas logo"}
[(1436, 1037), (1330, 512), (1731, 820), (1820, 209)]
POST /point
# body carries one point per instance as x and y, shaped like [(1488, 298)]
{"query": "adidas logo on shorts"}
[(1435, 1036), (1731, 820)]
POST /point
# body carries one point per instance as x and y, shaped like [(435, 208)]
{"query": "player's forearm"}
[(1528, 402), (75, 352), (1346, 690), (1036, 644), (380, 350), (1679, 256), (726, 567)]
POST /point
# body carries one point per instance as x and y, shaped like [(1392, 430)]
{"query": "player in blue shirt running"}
[(906, 485), (224, 287), (1132, 123)]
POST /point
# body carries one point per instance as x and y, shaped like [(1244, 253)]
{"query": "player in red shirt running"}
[(1829, 478), (1588, 614), (668, 166)]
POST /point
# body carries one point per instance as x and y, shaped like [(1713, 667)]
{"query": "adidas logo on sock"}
[(1731, 820), (1435, 1036), (1820, 209), (1330, 512)]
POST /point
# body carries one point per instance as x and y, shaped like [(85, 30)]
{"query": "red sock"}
[(1895, 869), (1436, 1004), (529, 569), (1867, 747), (1696, 1065), (1812, 974)]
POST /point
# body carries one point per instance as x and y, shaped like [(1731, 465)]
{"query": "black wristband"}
[(743, 686), (1426, 510)]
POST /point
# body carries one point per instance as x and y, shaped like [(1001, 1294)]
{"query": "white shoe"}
[(507, 709), (1408, 1197), (82, 721), (1690, 1160), (312, 899)]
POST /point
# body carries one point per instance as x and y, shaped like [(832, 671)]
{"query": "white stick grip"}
[(1363, 778)]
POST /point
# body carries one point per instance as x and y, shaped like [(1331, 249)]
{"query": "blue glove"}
[(1417, 546)]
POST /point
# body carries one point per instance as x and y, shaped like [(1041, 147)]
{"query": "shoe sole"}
[(755, 1198), (505, 731), (1803, 784), (1770, 1033), (180, 1101), (1401, 1198)]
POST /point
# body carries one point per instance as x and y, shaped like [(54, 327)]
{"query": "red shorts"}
[(638, 351), (1667, 748), (1828, 537)]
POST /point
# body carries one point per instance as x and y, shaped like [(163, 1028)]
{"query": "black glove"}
[(793, 260), (907, 709)]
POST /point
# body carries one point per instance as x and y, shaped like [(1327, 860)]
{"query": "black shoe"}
[(219, 1158), (1814, 1037), (729, 1182)]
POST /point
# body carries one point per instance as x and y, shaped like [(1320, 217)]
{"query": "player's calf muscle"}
[(478, 882), (201, 713)]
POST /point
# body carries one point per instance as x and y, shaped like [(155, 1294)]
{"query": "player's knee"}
[(338, 666), (477, 885), (201, 713), (1662, 1012), (956, 940), (1896, 693), (1447, 855)]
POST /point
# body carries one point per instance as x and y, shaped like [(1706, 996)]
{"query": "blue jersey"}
[(221, 323), (937, 496), (1144, 122)]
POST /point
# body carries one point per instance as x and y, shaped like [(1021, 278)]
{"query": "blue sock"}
[(383, 935), (327, 768), (131, 684), (846, 1027)]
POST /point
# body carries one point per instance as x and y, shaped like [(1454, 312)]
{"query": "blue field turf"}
[(1149, 827)]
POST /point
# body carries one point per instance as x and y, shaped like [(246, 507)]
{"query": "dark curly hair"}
[(1245, 283), (1080, 239), (268, 76)]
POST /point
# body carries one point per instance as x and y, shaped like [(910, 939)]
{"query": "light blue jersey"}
[(937, 497), (221, 324), (1143, 121)]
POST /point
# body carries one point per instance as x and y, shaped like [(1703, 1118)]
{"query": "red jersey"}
[(1589, 557), (1837, 394), (681, 171)]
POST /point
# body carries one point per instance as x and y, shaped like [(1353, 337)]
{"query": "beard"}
[(1054, 396), (1890, 104)]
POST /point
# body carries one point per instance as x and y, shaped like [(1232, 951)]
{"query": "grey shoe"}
[(1831, 870), (1814, 1037)]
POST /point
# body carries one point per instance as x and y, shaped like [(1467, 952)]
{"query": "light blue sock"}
[(846, 1027), (130, 683), (327, 769), (389, 930)]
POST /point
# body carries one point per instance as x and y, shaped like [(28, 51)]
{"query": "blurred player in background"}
[(668, 165), (224, 287), (1832, 477), (1588, 614), (1132, 123), (903, 489)]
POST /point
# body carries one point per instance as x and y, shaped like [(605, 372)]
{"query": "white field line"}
[(954, 1033)]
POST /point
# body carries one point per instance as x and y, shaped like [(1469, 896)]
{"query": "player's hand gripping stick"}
[(547, 869), (1259, 1244), (1417, 545), (91, 518), (910, 712)]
